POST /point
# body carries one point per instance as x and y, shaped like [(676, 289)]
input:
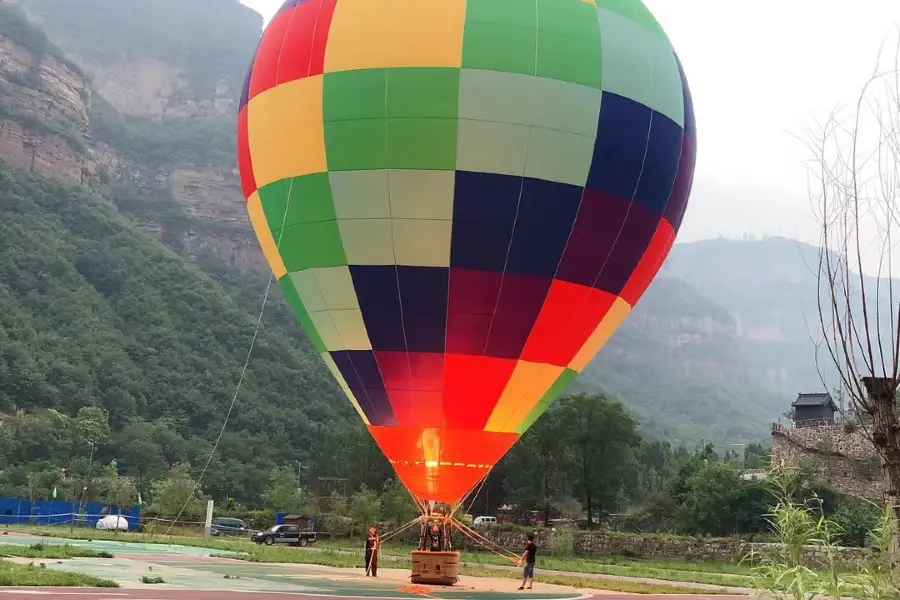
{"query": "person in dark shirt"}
[(528, 558), (437, 539), (372, 544)]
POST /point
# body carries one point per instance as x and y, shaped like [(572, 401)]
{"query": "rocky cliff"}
[(44, 103), (58, 120), (173, 58)]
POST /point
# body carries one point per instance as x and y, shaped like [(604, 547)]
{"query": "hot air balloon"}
[(462, 200)]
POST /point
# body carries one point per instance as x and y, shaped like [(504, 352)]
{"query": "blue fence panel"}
[(16, 511)]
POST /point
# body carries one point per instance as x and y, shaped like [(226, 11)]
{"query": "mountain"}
[(134, 104), (676, 363), (770, 287)]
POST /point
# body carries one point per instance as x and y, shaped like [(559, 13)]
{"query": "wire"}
[(486, 543), (237, 390), (477, 487)]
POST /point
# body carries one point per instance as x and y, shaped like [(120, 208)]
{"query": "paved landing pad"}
[(195, 574)]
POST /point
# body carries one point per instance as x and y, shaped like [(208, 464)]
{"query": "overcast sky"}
[(760, 72)]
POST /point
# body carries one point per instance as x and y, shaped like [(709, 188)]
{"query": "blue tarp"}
[(15, 511)]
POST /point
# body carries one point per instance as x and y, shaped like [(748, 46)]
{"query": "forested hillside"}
[(95, 313)]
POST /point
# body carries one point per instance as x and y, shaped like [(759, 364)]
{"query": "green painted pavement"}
[(116, 547), (302, 579), (350, 584), (236, 575)]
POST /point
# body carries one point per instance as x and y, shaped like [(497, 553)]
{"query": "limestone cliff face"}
[(157, 58), (210, 195), (149, 87), (159, 65), (44, 85), (685, 331), (44, 103)]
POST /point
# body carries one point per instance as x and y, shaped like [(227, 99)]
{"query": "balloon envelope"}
[(462, 200)]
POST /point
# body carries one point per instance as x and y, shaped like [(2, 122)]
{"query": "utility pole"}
[(300, 467)]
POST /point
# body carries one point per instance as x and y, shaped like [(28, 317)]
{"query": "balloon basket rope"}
[(434, 568)]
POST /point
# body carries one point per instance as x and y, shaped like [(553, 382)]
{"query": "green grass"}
[(31, 575), (59, 551)]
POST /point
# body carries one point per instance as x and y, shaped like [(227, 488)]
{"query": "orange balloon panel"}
[(442, 464)]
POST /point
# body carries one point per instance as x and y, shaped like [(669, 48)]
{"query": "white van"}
[(484, 521)]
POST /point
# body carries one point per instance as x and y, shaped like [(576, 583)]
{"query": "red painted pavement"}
[(146, 594)]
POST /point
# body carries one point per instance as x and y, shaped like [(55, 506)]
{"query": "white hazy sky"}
[(760, 73)]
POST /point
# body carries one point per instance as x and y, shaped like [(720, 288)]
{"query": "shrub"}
[(562, 543)]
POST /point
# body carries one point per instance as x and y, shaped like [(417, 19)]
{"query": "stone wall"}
[(646, 547), (842, 456)]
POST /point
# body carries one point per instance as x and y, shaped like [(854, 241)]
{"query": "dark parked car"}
[(285, 534), (229, 526)]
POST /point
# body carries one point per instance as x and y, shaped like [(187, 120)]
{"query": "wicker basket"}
[(435, 568)]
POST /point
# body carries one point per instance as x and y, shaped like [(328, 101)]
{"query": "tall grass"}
[(785, 571)]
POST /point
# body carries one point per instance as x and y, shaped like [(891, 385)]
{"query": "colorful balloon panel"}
[(462, 200)]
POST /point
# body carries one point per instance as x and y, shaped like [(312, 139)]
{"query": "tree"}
[(92, 426), (365, 507), (118, 490), (603, 434), (140, 455), (177, 491), (283, 493), (710, 494), (539, 469), (397, 506), (856, 195)]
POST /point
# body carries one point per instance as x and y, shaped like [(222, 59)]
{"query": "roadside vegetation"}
[(50, 551), (38, 575)]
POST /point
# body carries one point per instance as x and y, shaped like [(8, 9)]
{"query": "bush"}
[(562, 543), (856, 518)]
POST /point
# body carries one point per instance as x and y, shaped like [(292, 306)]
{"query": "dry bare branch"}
[(855, 192)]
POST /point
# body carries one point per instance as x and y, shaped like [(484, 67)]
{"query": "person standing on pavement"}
[(528, 558), (372, 543)]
